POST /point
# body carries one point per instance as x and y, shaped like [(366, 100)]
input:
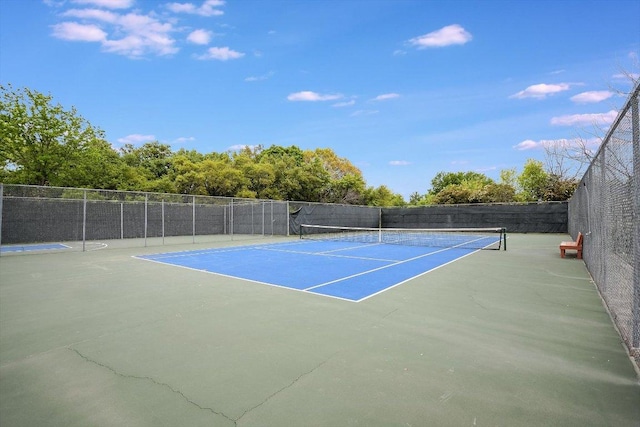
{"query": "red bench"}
[(573, 246)]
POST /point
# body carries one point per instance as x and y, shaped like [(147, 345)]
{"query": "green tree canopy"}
[(532, 181), (42, 143)]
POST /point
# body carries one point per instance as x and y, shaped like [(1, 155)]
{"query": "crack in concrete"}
[(165, 385), (304, 374), (390, 313)]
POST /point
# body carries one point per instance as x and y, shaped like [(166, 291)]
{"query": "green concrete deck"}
[(515, 338)]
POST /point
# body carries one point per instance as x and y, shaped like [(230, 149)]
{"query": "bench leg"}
[(561, 252), (579, 253)]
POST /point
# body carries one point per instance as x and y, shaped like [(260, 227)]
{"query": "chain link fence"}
[(31, 214), (606, 209)]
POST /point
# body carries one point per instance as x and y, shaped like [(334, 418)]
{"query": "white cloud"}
[(260, 78), (540, 91), (133, 33), (136, 138), (109, 4), (93, 14), (591, 143), (399, 163), (79, 32), (221, 54), (240, 147), (386, 97), (446, 36), (592, 96), (628, 77), (527, 145), (200, 37), (364, 113), (312, 96), (184, 139), (130, 34), (585, 119), (208, 8), (344, 104)]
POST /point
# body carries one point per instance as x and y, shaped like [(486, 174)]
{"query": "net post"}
[(504, 237)]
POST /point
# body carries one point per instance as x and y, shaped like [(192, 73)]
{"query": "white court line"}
[(244, 279), (329, 254), (377, 269), (417, 275)]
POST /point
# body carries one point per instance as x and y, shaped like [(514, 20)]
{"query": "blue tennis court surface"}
[(34, 247), (345, 270)]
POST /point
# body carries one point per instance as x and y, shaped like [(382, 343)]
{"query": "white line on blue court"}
[(377, 269)]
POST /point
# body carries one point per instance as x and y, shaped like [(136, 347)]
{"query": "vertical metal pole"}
[(146, 202), (163, 221), (272, 220), (121, 220), (231, 219), (504, 236), (193, 220), (379, 225), (263, 218), (287, 213), (84, 221), (1, 199), (635, 214)]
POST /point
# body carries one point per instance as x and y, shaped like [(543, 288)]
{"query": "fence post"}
[(193, 220), (163, 221), (635, 126), (1, 199), (231, 219), (84, 221), (146, 202), (121, 220)]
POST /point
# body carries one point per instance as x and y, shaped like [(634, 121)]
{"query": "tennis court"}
[(354, 264), (496, 338), (33, 247)]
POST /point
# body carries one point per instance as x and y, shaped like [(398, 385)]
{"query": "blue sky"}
[(402, 88)]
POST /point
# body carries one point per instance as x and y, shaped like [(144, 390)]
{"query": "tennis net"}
[(468, 238)]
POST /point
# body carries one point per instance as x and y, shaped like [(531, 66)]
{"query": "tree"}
[(383, 196), (99, 166), (42, 142), (444, 179), (532, 181), (337, 167), (153, 157)]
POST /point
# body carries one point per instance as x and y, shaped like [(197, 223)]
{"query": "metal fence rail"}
[(606, 209)]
